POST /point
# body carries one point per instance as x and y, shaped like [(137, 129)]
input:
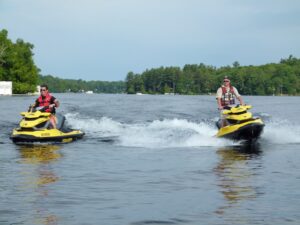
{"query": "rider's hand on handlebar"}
[(51, 106)]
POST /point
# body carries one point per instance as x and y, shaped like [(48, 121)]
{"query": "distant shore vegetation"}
[(282, 78), (59, 85)]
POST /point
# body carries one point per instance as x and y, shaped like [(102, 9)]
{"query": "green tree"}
[(17, 65), (269, 79)]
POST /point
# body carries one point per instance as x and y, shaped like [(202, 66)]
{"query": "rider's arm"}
[(35, 104), (219, 103), (240, 100), (218, 97), (238, 96), (54, 102)]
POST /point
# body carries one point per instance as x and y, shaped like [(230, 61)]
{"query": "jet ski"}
[(239, 124), (35, 126)]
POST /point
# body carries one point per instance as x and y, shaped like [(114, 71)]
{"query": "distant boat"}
[(139, 93), (89, 92)]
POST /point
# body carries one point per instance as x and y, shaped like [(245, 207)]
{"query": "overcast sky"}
[(105, 39)]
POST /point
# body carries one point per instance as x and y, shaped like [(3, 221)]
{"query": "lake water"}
[(151, 160)]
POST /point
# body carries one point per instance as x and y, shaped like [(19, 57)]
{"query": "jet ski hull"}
[(36, 127), (52, 135), (249, 131), (20, 138)]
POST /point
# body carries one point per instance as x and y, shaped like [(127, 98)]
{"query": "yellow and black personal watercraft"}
[(35, 126), (239, 124)]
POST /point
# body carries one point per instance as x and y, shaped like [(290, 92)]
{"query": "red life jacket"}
[(45, 101), (227, 96)]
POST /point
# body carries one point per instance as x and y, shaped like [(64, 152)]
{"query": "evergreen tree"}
[(269, 79)]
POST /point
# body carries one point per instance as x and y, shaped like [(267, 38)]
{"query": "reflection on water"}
[(35, 154), (236, 173), (39, 174)]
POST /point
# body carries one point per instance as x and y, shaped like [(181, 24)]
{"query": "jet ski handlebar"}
[(227, 107), (235, 109), (32, 108)]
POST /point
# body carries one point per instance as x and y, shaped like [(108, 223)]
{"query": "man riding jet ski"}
[(42, 124), (235, 122), (36, 126), (240, 124), (46, 99)]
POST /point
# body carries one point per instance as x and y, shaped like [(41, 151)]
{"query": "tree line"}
[(59, 85), (17, 65), (269, 79)]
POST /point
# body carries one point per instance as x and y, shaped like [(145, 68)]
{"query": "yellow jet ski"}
[(239, 124), (35, 126)]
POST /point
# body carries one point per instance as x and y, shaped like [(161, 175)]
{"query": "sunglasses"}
[(43, 90), (226, 81)]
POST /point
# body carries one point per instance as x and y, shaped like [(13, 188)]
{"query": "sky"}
[(106, 39)]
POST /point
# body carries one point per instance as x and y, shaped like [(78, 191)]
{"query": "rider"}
[(226, 97), (46, 99)]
